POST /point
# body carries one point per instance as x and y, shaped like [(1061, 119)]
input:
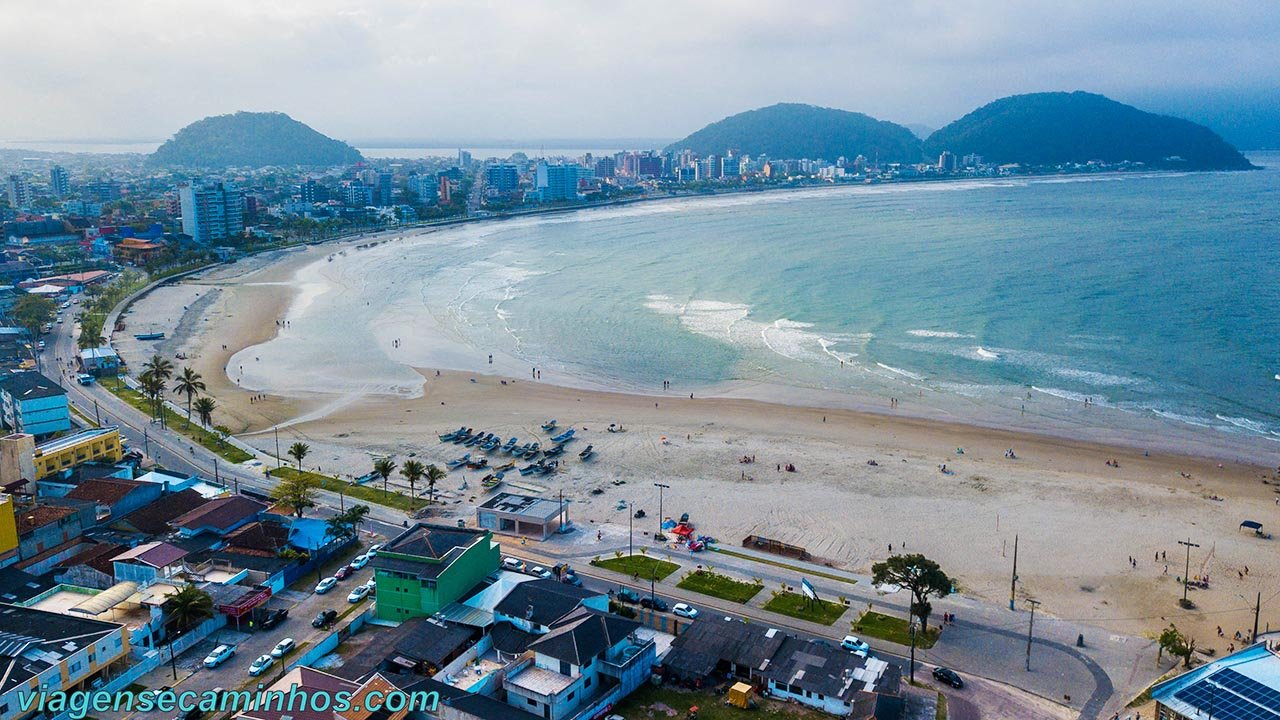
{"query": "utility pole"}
[(1257, 608), (913, 652), (631, 530), (97, 419), (217, 480), (277, 430), (1030, 629), (146, 443), (1186, 574), (1013, 584), (660, 487)]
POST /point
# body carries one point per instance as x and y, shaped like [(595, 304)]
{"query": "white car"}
[(260, 665), (539, 571), (513, 564), (685, 610), (372, 585), (373, 550), (326, 585), (360, 561), (220, 654), (855, 645), (282, 648), (361, 592)]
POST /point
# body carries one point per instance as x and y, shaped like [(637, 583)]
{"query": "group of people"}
[(1113, 463), (1010, 454)]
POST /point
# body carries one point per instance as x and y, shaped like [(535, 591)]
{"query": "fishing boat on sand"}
[(554, 450), (509, 445), (479, 464), (549, 425), (491, 482), (449, 436), (587, 453), (563, 437), (456, 462)]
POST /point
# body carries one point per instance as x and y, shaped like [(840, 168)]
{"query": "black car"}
[(273, 618), (324, 618), (655, 603), (948, 676), (627, 595)]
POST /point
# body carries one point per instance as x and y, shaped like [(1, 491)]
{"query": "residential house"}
[(537, 605), (17, 586), (96, 444), (218, 516), (1242, 685), (148, 562), (153, 519), (427, 567), (115, 497), (53, 652), (92, 567), (8, 531), (34, 404)]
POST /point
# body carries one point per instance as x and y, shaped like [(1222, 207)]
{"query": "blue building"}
[(502, 177), (34, 404), (558, 182), (1241, 686)]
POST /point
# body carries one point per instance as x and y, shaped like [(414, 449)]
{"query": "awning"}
[(1251, 524), (465, 615), (106, 599)]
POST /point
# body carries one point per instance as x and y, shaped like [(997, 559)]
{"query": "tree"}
[(384, 467), (160, 370), (153, 388), (204, 410), (298, 492), (346, 524), (1176, 644), (33, 312), (298, 451), (189, 606), (434, 474), (412, 471), (917, 573), (90, 335), (189, 383)]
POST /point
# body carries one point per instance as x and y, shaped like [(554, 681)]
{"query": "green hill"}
[(1058, 127), (251, 139), (791, 130)]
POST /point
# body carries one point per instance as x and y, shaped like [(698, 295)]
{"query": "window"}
[(532, 702), (587, 684), (569, 696)]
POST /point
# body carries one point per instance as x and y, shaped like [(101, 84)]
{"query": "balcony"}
[(622, 657)]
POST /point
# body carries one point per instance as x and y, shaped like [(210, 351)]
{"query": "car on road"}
[(685, 610), (260, 665), (220, 654), (359, 593), (655, 603), (539, 571), (627, 595), (571, 578), (194, 713), (372, 585), (324, 618), (513, 564), (948, 676), (326, 585), (282, 648), (360, 562), (274, 617), (854, 644), (344, 572), (373, 550), (84, 378)]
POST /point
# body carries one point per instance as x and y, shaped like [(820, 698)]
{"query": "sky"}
[(471, 69)]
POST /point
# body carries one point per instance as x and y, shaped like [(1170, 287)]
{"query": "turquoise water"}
[(1155, 296)]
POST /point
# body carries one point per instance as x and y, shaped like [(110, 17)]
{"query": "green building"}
[(429, 566)]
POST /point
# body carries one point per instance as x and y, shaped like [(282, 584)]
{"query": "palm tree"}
[(204, 409), (153, 388), (161, 370), (412, 471), (189, 383), (189, 606), (434, 474), (297, 451), (384, 467), (90, 336)]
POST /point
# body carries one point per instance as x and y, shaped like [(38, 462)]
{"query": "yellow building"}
[(8, 531), (99, 444)]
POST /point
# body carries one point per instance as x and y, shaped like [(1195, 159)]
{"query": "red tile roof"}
[(107, 491), (220, 513)]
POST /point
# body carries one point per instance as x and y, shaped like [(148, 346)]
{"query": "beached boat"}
[(509, 445), (554, 450), (451, 464), (491, 482), (564, 436), (491, 444), (548, 467), (475, 440), (549, 425), (505, 467), (529, 469), (146, 336), (586, 454), (480, 464), (462, 437)]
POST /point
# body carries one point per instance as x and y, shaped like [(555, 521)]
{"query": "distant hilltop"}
[(792, 130), (1056, 128), (252, 139)]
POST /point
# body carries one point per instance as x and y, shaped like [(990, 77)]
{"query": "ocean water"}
[(1005, 302)]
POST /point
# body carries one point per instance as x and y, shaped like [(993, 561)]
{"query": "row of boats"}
[(491, 443)]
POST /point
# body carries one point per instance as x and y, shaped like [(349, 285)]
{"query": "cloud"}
[(658, 68)]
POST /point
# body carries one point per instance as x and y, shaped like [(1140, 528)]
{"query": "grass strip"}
[(717, 585), (786, 566), (638, 566), (367, 494), (893, 629), (178, 423), (823, 612)]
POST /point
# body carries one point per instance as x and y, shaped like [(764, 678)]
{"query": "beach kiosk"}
[(1256, 527)]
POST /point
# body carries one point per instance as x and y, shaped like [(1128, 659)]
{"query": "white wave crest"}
[(938, 334)]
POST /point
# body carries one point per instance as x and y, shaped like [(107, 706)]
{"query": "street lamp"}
[(660, 487), (1030, 627), (631, 532), (913, 627)]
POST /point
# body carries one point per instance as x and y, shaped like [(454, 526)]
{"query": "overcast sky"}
[(596, 69)]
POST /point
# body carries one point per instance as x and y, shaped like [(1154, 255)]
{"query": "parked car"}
[(539, 571), (274, 618), (685, 610), (282, 648), (220, 654), (948, 676), (326, 585), (510, 563), (260, 665), (359, 593), (344, 572), (571, 578), (194, 713), (655, 603), (853, 644), (373, 550), (627, 595), (324, 618), (360, 561), (372, 585)]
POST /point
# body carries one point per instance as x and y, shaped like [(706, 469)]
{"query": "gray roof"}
[(543, 601), (528, 506), (486, 708), (431, 642), (426, 550), (584, 636), (704, 644), (32, 641), (30, 385)]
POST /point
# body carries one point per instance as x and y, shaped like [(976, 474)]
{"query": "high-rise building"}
[(314, 192), (426, 187), (464, 159), (59, 180), (357, 194), (445, 188), (558, 182), (606, 167), (382, 191), (947, 161), (211, 212), (502, 177), (19, 192), (103, 190)]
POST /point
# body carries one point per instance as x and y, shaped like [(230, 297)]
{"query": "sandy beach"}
[(863, 480)]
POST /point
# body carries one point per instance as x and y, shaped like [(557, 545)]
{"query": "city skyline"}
[(453, 71)]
